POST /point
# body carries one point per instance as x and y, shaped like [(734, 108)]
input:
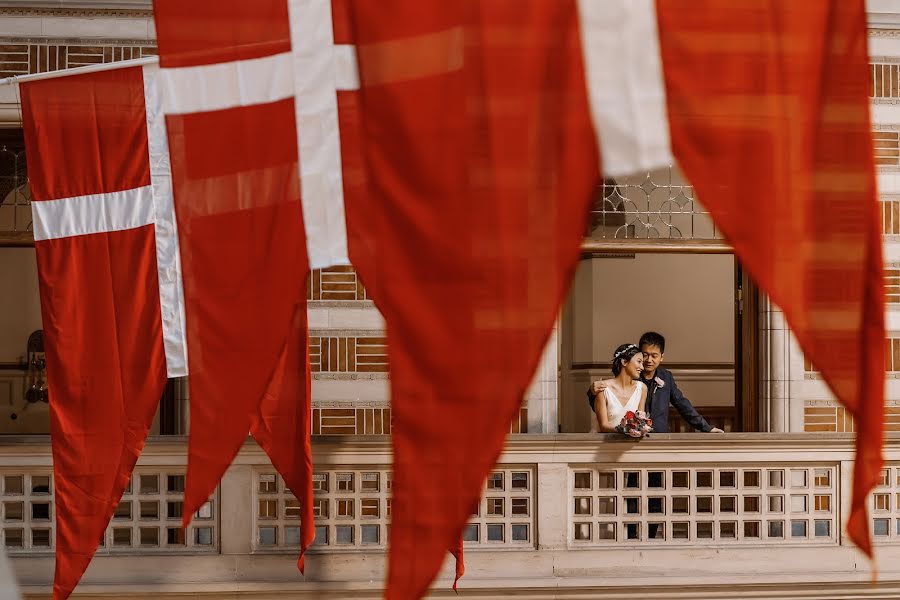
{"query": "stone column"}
[(182, 402), (542, 397), (781, 371)]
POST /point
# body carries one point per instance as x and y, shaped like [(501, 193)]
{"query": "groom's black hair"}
[(651, 338)]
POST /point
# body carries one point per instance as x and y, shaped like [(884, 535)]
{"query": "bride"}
[(623, 393)]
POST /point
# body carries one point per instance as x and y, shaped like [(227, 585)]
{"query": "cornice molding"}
[(121, 13), (93, 42), (881, 32)]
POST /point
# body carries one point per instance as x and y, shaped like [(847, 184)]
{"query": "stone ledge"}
[(672, 573)]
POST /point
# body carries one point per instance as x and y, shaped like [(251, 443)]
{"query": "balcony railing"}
[(673, 514), (15, 195), (655, 205), (628, 213)]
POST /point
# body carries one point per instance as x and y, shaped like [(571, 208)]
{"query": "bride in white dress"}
[(622, 393)]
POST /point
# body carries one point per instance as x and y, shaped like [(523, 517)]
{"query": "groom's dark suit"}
[(658, 399)]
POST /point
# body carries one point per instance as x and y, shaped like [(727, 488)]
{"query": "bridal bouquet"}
[(635, 424)]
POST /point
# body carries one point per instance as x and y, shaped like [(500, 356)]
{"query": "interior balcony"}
[(561, 516)]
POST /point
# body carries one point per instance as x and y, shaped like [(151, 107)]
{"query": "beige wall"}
[(20, 314), (20, 311), (687, 298)]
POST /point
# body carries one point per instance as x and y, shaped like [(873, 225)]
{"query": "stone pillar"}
[(542, 397), (182, 403), (781, 371)]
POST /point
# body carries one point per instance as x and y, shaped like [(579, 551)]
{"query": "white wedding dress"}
[(615, 410)]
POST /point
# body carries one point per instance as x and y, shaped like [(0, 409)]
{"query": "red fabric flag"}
[(100, 300), (237, 160), (482, 163), (777, 143)]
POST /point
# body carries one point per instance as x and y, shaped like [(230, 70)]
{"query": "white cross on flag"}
[(457, 183), (113, 310), (262, 127)]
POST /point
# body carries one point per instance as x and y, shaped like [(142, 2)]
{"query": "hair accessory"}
[(624, 350)]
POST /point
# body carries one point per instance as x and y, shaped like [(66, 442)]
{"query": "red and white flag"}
[(477, 129), (102, 265), (769, 117), (458, 182), (112, 301), (261, 127)]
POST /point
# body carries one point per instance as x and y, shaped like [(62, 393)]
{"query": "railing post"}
[(552, 506), (236, 510), (845, 483)]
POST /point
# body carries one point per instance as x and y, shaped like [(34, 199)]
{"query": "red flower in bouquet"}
[(635, 424)]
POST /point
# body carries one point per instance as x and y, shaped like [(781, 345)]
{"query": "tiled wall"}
[(887, 147), (375, 420), (351, 421), (829, 416), (334, 283), (346, 354), (24, 58), (821, 417)]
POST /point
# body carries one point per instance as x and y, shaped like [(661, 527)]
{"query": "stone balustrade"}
[(692, 515)]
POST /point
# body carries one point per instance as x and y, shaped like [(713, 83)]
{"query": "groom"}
[(661, 389)]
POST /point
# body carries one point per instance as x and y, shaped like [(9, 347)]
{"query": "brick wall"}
[(884, 79), (887, 147), (25, 58), (892, 284), (354, 420), (839, 419), (351, 421), (334, 283), (891, 347), (347, 354), (827, 418), (890, 217)]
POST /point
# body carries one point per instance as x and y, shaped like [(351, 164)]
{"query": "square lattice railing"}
[(884, 504), (758, 504), (352, 508), (147, 519)]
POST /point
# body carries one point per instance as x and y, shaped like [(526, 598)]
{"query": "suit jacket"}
[(658, 400)]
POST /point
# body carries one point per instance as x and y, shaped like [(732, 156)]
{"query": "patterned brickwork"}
[(884, 80), (887, 147), (348, 354), (892, 345), (351, 421), (25, 58), (334, 283), (890, 217), (827, 418), (892, 354), (892, 284), (375, 421), (838, 419)]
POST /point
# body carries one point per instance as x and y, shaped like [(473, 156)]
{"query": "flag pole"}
[(122, 64)]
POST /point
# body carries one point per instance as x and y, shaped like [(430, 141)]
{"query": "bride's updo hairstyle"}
[(622, 356)]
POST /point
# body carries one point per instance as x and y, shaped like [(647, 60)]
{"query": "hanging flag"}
[(101, 272), (254, 131), (109, 261), (778, 146), (263, 128), (474, 122), (477, 132)]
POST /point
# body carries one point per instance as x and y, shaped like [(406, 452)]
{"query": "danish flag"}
[(449, 150)]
